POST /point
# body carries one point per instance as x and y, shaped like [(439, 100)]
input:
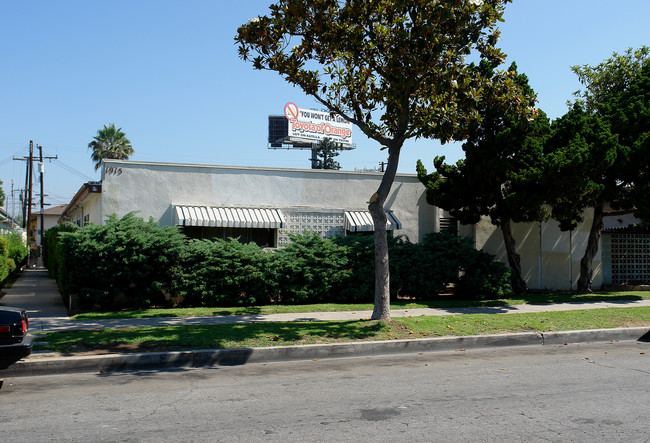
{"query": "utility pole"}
[(25, 193), (27, 196), (40, 169), (30, 173), (13, 201)]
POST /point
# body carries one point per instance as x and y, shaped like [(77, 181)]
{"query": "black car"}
[(14, 341)]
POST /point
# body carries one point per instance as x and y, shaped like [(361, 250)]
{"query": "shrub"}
[(51, 247), (360, 251), (127, 259), (16, 249), (223, 273), (421, 271), (483, 278), (444, 258), (311, 269), (7, 266)]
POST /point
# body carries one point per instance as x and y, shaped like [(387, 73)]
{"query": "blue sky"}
[(167, 72)]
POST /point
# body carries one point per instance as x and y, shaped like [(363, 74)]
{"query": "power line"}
[(72, 170), (5, 161)]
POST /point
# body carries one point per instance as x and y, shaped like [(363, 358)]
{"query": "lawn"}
[(292, 333), (442, 302)]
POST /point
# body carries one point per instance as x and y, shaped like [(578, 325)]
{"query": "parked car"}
[(15, 343)]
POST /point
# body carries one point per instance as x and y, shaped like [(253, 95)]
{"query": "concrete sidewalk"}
[(38, 293)]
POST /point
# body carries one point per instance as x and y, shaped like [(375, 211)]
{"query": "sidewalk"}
[(38, 294)]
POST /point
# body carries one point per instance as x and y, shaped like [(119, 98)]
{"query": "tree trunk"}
[(381, 309), (586, 271), (518, 283)]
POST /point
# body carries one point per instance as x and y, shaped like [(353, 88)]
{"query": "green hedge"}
[(130, 262), (223, 273), (311, 269), (126, 261), (50, 248), (16, 249), (13, 255)]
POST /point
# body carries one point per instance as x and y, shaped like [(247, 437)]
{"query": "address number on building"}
[(113, 171)]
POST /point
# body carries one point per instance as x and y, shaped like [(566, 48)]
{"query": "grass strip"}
[(294, 333), (442, 302)]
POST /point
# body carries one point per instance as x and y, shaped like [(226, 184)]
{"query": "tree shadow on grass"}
[(235, 341)]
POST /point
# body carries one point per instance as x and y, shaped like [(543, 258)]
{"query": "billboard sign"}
[(314, 126)]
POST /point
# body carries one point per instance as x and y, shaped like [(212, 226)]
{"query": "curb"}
[(235, 357)]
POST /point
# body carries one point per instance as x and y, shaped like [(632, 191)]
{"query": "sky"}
[(167, 73)]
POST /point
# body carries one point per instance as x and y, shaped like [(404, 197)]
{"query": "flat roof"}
[(251, 168)]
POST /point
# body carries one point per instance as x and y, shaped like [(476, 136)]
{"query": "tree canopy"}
[(324, 155), (501, 174), (599, 149), (110, 142), (395, 68)]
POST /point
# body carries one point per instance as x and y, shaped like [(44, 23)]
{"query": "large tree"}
[(110, 142), (581, 155), (394, 68), (501, 174), (600, 147)]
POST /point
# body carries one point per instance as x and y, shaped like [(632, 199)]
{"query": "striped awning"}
[(228, 217), (361, 221)]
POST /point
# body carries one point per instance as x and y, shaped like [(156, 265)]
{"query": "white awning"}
[(228, 217), (361, 221)]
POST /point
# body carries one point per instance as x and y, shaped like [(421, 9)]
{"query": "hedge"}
[(126, 261), (13, 255), (129, 262)]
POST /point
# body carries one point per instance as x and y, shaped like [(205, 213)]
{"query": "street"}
[(592, 392)]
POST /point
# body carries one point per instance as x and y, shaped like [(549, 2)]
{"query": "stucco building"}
[(263, 205), (550, 258)]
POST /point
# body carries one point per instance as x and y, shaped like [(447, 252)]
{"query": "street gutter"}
[(46, 365)]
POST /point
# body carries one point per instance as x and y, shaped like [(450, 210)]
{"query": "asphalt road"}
[(593, 392)]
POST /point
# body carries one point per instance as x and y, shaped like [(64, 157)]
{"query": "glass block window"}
[(326, 224), (630, 258)]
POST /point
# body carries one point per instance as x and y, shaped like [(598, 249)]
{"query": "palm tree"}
[(110, 142)]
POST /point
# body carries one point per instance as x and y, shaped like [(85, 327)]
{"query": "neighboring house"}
[(85, 206), (50, 219), (263, 205), (8, 224)]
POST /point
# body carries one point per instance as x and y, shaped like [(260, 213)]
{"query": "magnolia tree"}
[(396, 69)]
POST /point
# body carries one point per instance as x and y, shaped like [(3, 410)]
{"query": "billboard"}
[(307, 125)]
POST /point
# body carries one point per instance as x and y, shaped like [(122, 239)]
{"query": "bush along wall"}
[(311, 269), (51, 247), (224, 273), (16, 249), (7, 265), (13, 255), (129, 262), (124, 262)]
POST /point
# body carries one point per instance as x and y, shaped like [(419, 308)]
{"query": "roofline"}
[(250, 168), (4, 216), (81, 194)]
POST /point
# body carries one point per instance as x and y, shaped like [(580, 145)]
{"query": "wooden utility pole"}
[(40, 170), (29, 197)]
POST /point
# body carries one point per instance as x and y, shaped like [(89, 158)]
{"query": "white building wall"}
[(151, 189), (550, 259)]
